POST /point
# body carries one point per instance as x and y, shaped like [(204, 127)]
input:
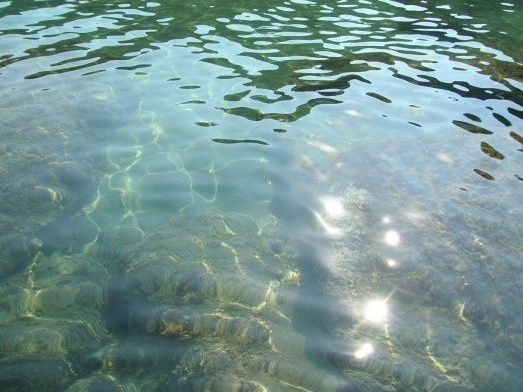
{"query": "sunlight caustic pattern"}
[(265, 196)]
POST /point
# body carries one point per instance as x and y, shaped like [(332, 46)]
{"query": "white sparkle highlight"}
[(353, 113), (391, 263), (392, 238), (376, 311), (365, 350), (333, 207)]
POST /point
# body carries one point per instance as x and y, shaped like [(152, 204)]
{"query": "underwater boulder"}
[(74, 284), (215, 294), (32, 375), (96, 383), (16, 251), (45, 338)]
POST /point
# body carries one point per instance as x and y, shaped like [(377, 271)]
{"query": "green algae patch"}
[(472, 128), (484, 174), (491, 151)]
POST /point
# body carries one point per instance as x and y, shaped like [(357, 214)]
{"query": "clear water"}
[(261, 196)]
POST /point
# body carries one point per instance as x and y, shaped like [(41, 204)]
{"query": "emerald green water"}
[(261, 196)]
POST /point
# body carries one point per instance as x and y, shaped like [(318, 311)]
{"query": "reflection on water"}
[(376, 311), (261, 196)]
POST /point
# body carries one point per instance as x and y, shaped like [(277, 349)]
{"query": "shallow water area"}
[(261, 196)]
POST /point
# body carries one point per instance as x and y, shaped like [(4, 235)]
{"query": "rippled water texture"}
[(261, 195)]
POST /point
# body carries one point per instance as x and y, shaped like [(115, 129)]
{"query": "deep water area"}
[(261, 196)]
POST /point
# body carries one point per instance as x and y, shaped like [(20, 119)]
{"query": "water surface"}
[(261, 196)]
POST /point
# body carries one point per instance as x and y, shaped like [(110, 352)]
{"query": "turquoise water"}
[(261, 196)]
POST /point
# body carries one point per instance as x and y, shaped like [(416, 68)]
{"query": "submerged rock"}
[(50, 315), (224, 286), (16, 252), (101, 383), (31, 375)]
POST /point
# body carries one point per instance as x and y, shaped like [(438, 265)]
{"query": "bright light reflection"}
[(376, 311), (392, 263), (353, 113), (364, 351), (386, 219), (444, 158), (392, 238), (333, 206)]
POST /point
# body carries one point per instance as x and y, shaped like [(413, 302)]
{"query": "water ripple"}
[(317, 194)]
